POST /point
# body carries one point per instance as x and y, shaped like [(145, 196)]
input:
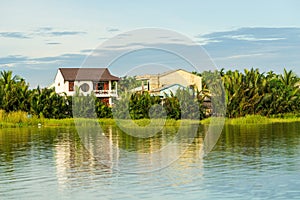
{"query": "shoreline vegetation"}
[(250, 97), (20, 119)]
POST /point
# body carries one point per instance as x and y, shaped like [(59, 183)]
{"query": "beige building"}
[(169, 81)]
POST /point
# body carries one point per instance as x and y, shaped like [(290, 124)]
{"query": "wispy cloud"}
[(254, 47), (53, 43), (86, 50), (12, 59), (49, 31), (254, 34), (251, 38), (112, 30), (43, 31), (240, 56), (64, 59), (265, 48), (18, 35), (65, 33)]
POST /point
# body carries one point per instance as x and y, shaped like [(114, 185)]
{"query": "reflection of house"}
[(92, 155), (97, 80), (170, 81)]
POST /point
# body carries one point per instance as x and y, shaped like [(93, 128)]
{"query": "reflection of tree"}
[(31, 143), (255, 140), (9, 144)]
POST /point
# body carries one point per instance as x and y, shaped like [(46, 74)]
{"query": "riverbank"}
[(22, 119), (258, 119), (43, 122)]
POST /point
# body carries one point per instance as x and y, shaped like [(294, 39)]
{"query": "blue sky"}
[(37, 37)]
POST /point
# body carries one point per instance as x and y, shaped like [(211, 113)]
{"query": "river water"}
[(248, 162)]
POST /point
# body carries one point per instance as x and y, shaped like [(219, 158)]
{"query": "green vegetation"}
[(258, 119), (21, 119), (184, 105), (15, 95), (250, 97), (255, 93)]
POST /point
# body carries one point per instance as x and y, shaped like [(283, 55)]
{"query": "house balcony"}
[(106, 93)]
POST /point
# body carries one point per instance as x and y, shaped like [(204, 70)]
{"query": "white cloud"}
[(251, 38), (203, 42), (240, 56), (8, 65)]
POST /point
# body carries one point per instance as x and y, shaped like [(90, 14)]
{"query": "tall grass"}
[(248, 119), (13, 119), (17, 117), (20, 119), (2, 115), (258, 119)]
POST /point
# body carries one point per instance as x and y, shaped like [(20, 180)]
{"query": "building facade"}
[(87, 80), (170, 81)]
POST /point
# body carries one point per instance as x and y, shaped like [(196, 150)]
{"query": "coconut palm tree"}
[(14, 93)]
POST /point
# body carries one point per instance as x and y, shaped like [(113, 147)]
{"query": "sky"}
[(38, 37)]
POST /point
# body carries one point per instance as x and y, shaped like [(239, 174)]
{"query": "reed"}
[(17, 117), (22, 119), (2, 115), (258, 119)]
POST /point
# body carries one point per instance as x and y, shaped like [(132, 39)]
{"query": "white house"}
[(97, 80)]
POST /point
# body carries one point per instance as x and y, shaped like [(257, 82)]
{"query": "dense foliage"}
[(15, 95), (184, 105), (267, 94), (245, 93)]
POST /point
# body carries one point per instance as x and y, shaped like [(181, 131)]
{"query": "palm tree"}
[(14, 92), (288, 78)]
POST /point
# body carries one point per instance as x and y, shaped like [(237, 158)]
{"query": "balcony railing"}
[(105, 93)]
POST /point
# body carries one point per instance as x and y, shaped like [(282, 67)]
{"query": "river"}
[(248, 162)]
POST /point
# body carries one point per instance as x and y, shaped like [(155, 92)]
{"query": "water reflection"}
[(256, 161), (121, 150)]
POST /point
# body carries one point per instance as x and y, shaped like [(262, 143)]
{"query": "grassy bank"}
[(22, 119), (258, 119)]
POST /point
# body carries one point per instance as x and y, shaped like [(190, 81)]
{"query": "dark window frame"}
[(71, 86)]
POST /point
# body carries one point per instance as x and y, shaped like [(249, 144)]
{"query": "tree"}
[(14, 93)]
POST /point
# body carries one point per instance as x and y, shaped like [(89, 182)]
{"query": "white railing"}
[(105, 92)]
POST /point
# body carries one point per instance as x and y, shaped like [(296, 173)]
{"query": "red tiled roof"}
[(87, 74)]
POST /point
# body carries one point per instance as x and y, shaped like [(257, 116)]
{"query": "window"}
[(71, 86), (102, 85), (85, 87)]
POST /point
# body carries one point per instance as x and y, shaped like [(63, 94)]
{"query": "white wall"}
[(62, 86), (79, 83), (59, 83)]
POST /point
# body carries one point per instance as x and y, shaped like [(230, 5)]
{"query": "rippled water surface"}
[(248, 162)]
